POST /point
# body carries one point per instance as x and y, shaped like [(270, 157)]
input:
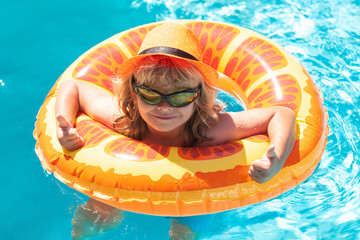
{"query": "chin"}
[(165, 129)]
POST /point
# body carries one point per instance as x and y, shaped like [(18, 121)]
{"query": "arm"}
[(282, 134), (76, 96), (277, 122)]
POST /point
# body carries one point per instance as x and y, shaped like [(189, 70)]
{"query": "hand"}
[(67, 135), (265, 168)]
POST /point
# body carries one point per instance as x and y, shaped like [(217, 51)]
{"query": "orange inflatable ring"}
[(172, 181)]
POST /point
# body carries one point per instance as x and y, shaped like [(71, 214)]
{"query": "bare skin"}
[(180, 231), (94, 218), (277, 122)]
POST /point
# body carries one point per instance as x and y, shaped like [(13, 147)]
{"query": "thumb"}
[(270, 153), (63, 123)]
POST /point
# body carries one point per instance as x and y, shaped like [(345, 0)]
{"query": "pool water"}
[(39, 39)]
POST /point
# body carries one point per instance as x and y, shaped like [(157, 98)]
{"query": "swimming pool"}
[(40, 39)]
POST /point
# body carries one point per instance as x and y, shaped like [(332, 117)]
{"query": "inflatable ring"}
[(173, 181)]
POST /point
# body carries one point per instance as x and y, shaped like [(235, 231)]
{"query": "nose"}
[(164, 105)]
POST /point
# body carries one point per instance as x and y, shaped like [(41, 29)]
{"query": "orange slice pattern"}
[(100, 66), (253, 59), (135, 37), (130, 149), (214, 38), (208, 153), (283, 90), (92, 132), (258, 138)]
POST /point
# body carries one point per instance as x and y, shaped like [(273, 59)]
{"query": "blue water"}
[(39, 39)]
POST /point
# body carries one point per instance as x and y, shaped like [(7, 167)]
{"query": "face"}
[(163, 117)]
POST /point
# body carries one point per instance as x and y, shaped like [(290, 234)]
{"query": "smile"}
[(164, 117)]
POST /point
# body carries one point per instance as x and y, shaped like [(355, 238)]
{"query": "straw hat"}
[(173, 40)]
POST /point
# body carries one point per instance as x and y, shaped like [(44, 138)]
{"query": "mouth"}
[(164, 117)]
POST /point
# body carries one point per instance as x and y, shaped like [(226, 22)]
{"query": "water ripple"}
[(325, 37)]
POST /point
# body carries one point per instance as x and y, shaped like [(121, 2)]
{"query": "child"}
[(164, 96)]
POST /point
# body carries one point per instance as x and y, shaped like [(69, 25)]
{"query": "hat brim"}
[(209, 73)]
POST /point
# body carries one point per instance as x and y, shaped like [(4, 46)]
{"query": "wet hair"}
[(160, 71)]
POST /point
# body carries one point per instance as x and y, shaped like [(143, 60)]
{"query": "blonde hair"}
[(160, 71)]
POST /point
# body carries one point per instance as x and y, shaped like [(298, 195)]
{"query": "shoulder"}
[(221, 131), (233, 126)]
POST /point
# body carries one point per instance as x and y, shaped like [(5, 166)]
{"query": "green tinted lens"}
[(182, 99), (148, 96)]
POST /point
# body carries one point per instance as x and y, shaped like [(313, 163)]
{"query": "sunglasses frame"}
[(165, 96)]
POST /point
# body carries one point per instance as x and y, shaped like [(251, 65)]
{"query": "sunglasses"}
[(176, 99)]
